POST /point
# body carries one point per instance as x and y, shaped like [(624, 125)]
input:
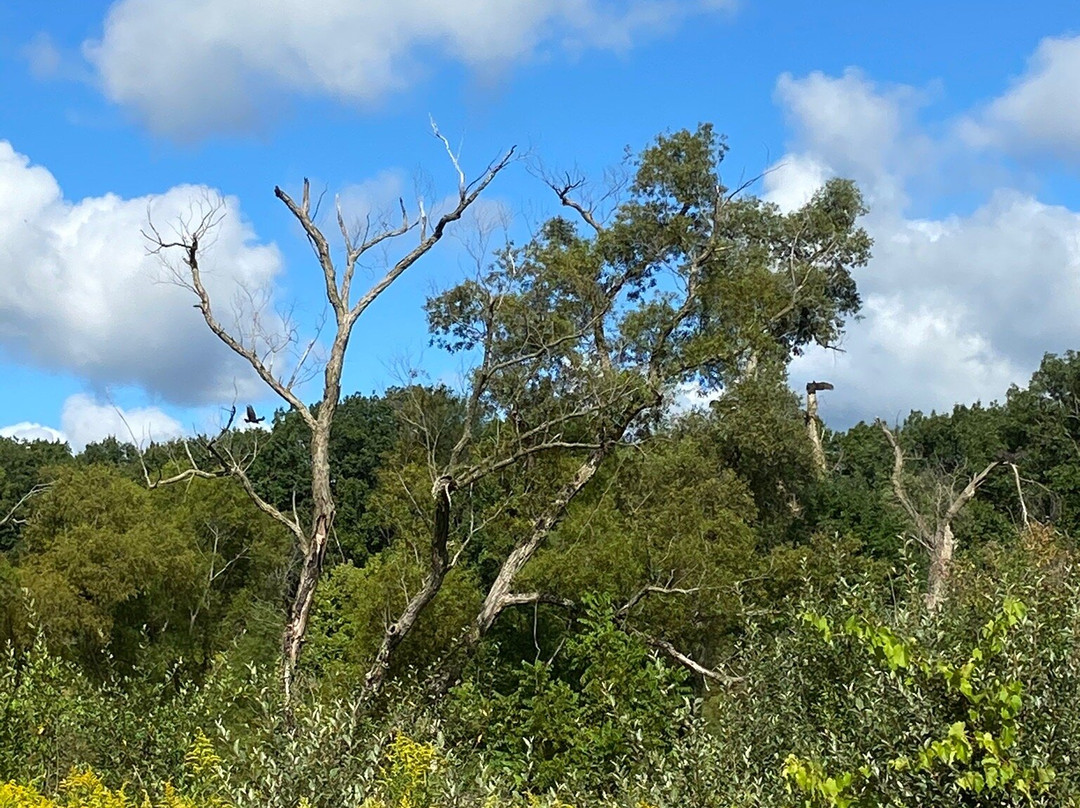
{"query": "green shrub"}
[(581, 721), (853, 699)]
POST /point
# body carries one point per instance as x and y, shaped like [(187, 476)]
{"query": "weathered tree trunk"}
[(496, 599), (941, 557), (813, 427), (314, 551), (814, 433), (300, 610), (440, 565), (939, 542), (943, 545), (346, 311)]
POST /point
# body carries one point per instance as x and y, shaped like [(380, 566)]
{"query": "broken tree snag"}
[(813, 424), (944, 543), (1007, 459), (938, 539)]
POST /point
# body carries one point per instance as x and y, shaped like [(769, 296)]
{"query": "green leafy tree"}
[(582, 721), (26, 470), (582, 335), (110, 569)]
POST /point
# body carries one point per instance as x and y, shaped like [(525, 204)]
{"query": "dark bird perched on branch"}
[(250, 417), (814, 387)]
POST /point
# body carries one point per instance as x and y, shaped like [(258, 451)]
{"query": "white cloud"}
[(85, 420), (792, 182), (904, 357), (1039, 111), (190, 67), (79, 292), (26, 430), (851, 126), (955, 309), (43, 57)]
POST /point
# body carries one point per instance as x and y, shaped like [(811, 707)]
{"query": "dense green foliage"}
[(711, 620)]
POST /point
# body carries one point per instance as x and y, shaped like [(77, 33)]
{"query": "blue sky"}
[(960, 121)]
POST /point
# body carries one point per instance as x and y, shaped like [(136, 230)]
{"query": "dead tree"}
[(935, 536), (813, 424), (259, 349)]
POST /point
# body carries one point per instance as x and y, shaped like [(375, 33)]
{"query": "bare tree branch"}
[(687, 662), (189, 244), (924, 533), (1020, 494), (194, 234), (624, 610), (468, 195), (319, 244), (36, 490), (564, 189), (531, 598), (966, 495)]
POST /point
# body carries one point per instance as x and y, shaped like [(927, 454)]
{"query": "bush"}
[(581, 722), (859, 698)]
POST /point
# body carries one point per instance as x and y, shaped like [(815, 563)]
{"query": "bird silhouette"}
[(250, 418)]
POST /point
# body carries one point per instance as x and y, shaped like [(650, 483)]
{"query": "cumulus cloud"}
[(190, 67), (29, 431), (80, 293), (904, 357), (955, 309), (849, 125), (1039, 111), (793, 181), (85, 420)]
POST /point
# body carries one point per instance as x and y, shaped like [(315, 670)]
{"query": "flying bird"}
[(250, 418), (814, 387)]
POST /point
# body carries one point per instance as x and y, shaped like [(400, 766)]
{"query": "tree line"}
[(557, 565)]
